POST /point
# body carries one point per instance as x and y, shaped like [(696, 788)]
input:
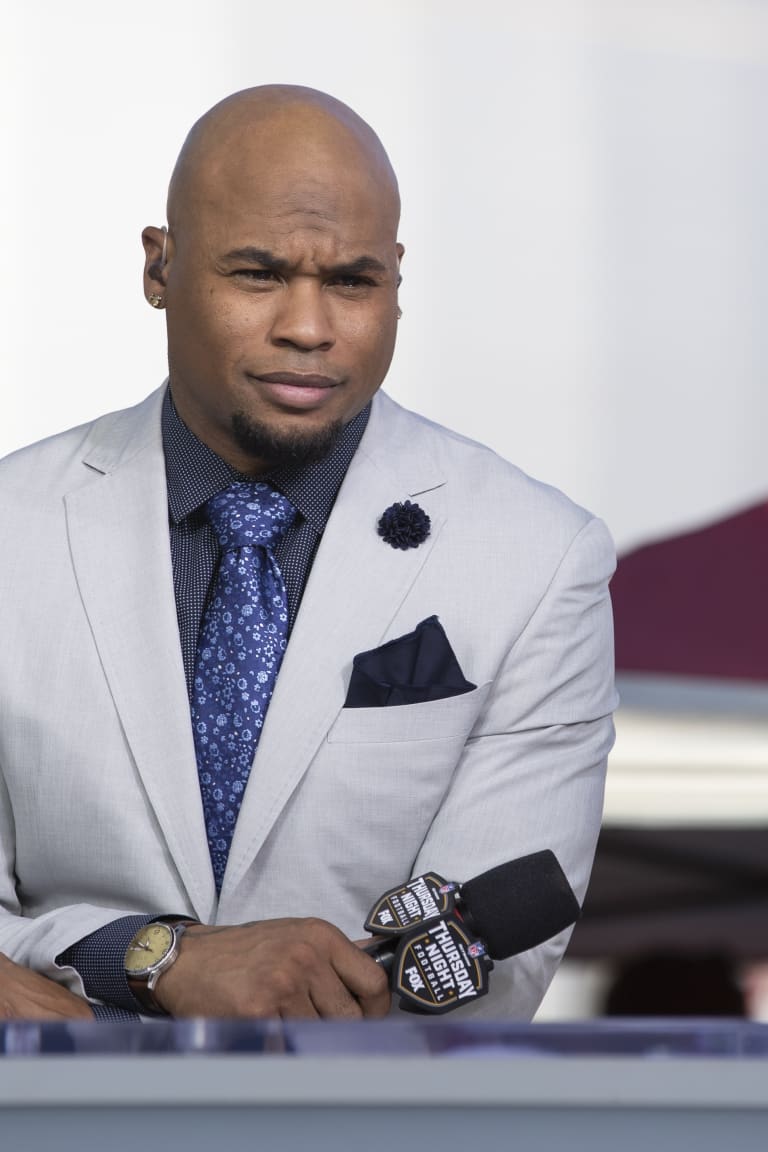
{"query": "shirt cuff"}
[(111, 1012), (99, 961)]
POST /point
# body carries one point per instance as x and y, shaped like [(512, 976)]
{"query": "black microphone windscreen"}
[(519, 904)]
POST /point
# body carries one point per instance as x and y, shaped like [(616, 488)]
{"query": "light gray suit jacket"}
[(100, 811)]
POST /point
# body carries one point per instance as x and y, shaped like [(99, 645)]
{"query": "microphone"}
[(443, 937)]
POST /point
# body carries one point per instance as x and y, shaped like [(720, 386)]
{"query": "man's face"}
[(281, 298)]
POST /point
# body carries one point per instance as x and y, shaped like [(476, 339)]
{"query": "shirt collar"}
[(194, 472)]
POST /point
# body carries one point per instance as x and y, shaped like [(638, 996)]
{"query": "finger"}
[(299, 1008), (332, 999), (364, 978), (305, 984)]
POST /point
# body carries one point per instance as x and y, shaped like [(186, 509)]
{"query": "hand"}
[(26, 995), (299, 968)]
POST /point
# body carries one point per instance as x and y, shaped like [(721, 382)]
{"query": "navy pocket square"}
[(411, 669)]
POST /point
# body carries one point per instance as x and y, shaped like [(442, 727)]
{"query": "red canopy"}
[(697, 604)]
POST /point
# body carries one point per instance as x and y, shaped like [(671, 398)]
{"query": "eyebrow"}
[(273, 263)]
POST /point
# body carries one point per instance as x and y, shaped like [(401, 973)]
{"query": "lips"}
[(296, 390), (297, 379)]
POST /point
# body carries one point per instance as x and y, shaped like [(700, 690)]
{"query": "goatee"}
[(280, 449)]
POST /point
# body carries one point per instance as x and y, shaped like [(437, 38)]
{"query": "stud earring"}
[(399, 312), (155, 299)]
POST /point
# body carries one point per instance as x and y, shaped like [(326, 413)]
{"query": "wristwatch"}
[(151, 952)]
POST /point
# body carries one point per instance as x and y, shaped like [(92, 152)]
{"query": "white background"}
[(585, 190)]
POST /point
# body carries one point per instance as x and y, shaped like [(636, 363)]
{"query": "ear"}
[(157, 245), (400, 253)]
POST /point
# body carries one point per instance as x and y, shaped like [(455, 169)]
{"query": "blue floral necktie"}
[(239, 650)]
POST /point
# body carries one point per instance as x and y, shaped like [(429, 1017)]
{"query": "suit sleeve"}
[(532, 772)]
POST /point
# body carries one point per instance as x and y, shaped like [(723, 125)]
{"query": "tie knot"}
[(249, 514)]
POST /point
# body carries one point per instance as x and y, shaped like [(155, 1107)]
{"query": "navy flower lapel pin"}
[(404, 525)]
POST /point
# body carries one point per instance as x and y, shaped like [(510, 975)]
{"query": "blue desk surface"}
[(414, 1036)]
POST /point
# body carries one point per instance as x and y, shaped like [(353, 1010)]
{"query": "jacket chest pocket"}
[(388, 769), (436, 720)]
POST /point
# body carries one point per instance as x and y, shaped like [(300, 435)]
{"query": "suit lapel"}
[(355, 589), (118, 530)]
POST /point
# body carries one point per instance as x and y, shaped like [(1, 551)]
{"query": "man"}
[(155, 764)]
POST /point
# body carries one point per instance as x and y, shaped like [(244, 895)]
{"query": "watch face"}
[(149, 946)]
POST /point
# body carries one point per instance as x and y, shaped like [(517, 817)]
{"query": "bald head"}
[(277, 125)]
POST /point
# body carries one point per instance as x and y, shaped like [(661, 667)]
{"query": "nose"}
[(302, 319)]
